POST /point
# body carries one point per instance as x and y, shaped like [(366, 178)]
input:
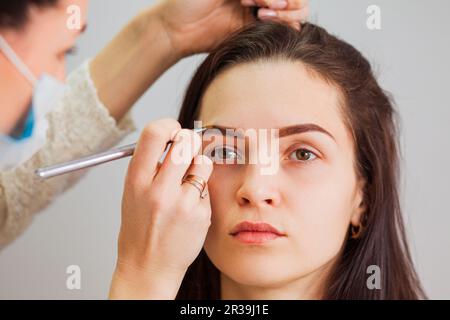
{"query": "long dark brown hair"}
[(372, 120)]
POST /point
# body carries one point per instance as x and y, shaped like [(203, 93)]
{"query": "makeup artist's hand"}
[(196, 26), (164, 222), (294, 12)]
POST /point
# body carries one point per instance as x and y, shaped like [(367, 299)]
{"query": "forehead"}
[(271, 95)]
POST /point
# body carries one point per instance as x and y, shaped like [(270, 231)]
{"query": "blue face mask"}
[(26, 129), (21, 145)]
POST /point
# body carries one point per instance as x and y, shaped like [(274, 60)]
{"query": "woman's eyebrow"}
[(226, 131), (283, 132), (301, 128)]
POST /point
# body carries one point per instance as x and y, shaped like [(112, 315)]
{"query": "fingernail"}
[(202, 159), (279, 4), (267, 13)]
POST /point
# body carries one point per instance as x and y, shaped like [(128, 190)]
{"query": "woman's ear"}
[(359, 204)]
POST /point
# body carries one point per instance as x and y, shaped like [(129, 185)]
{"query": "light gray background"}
[(411, 56)]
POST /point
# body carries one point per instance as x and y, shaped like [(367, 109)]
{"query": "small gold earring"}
[(356, 231)]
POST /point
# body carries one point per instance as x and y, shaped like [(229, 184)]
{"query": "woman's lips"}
[(255, 233), (255, 237)]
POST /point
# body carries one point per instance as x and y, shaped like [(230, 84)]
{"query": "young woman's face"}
[(311, 198)]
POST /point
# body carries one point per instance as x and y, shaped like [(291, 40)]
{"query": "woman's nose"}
[(258, 190)]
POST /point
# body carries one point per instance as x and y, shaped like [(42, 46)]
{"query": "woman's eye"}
[(302, 155), (222, 154)]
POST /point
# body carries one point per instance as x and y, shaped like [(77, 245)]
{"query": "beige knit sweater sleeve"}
[(78, 125)]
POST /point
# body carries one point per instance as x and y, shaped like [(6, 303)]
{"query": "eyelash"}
[(293, 150)]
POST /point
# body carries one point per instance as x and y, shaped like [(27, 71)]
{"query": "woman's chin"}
[(258, 272), (255, 266)]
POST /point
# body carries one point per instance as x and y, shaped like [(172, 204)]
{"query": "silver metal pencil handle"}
[(86, 162), (94, 160)]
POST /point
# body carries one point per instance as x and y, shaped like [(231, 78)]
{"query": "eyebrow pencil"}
[(93, 160)]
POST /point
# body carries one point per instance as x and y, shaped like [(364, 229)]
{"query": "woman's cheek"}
[(220, 187), (321, 215)]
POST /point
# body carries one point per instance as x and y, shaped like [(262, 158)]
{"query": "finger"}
[(271, 3), (149, 149), (295, 16), (267, 14), (261, 3), (186, 146), (248, 3), (296, 5), (201, 167), (278, 4)]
